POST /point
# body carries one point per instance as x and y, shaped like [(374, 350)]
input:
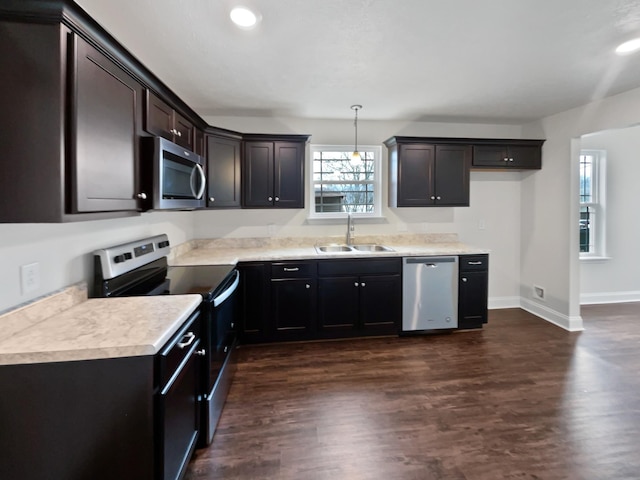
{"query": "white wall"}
[(495, 197), (64, 250), (612, 279), (550, 256)]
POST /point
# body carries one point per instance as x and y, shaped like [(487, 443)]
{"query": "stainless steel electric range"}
[(141, 268)]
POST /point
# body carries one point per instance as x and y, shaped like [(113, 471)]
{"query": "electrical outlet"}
[(30, 277), (481, 224), (538, 292)]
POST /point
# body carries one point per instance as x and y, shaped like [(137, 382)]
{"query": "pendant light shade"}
[(355, 156)]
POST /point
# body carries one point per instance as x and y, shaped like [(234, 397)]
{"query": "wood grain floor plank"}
[(519, 399)]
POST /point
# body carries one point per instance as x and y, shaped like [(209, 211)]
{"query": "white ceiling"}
[(504, 61)]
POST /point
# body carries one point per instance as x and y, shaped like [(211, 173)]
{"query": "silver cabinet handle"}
[(187, 340), (201, 353), (505, 159), (178, 133), (438, 198), (142, 196), (277, 199), (511, 159), (308, 286), (363, 284), (173, 131), (433, 198), (464, 279), (233, 325), (295, 269), (270, 199), (226, 349), (474, 263), (356, 284), (211, 199)]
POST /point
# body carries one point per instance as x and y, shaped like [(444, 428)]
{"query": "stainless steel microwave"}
[(178, 175)]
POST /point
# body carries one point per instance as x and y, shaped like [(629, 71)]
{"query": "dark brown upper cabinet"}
[(75, 120), (165, 122), (106, 127), (426, 174), (508, 154), (273, 171), (223, 171)]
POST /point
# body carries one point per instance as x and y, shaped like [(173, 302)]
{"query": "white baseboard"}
[(609, 297), (504, 302), (571, 324)]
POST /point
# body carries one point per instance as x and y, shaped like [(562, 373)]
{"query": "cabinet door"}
[(508, 156), (338, 306), (452, 165), (472, 300), (159, 117), (289, 175), (293, 308), (223, 172), (380, 304), (415, 175), (198, 142), (183, 131), (257, 174), (525, 156), (107, 120), (254, 302)]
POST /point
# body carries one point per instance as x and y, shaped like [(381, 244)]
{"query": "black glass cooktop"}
[(207, 280)]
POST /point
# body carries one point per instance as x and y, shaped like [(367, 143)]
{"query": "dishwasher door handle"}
[(430, 265)]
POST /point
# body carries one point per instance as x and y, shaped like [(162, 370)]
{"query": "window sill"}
[(594, 258)]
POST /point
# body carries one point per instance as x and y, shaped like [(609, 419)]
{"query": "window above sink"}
[(340, 186)]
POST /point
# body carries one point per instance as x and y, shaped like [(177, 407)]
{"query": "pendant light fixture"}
[(355, 156)]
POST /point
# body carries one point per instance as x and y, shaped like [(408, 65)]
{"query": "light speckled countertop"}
[(98, 328), (232, 251)]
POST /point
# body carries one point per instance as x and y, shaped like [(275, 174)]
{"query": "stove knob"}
[(119, 259)]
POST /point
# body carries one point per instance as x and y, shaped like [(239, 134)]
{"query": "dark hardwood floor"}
[(520, 399)]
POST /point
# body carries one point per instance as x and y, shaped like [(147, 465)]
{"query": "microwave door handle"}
[(198, 195)]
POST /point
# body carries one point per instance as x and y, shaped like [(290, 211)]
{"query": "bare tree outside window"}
[(342, 185)]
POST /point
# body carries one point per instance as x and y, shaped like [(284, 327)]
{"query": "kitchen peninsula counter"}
[(97, 328)]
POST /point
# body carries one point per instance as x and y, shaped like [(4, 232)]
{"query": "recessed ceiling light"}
[(628, 47), (243, 17)]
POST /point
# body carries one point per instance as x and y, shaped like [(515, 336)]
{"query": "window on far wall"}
[(592, 214), (340, 186)]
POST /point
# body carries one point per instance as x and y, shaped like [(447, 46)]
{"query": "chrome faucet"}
[(350, 229)]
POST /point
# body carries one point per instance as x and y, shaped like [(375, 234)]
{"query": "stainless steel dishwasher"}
[(430, 293)]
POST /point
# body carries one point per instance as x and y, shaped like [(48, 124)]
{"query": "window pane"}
[(587, 230), (342, 185), (586, 179)]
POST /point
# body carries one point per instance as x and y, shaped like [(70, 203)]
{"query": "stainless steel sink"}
[(333, 248), (373, 248)]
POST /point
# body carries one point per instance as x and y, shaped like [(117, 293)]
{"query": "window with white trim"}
[(592, 212), (340, 185)]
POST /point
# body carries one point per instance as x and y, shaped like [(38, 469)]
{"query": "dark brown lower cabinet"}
[(117, 418), (359, 297), (78, 420), (473, 291), (293, 305), (255, 302)]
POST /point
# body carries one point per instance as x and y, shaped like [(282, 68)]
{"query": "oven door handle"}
[(228, 291)]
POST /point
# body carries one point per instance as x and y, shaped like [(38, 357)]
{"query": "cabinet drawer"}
[(177, 349), (383, 266), (292, 269), (470, 263)]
